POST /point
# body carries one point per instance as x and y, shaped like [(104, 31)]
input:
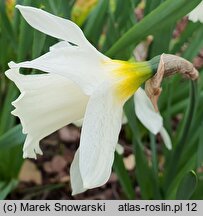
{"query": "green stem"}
[(157, 194), (154, 63), (154, 154)]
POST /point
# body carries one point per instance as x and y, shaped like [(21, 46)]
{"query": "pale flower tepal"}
[(80, 83), (197, 14)]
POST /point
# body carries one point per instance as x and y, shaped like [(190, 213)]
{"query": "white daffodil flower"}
[(81, 83), (197, 14)]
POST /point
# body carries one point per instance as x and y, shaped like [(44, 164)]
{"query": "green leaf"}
[(128, 19), (25, 38), (198, 195), (187, 186), (11, 153), (168, 12), (66, 7), (185, 36), (181, 143), (6, 188), (7, 120), (38, 43), (10, 162), (12, 138), (151, 5), (112, 32), (53, 5), (194, 140), (161, 41), (145, 177), (200, 148), (117, 25), (6, 25), (171, 191), (195, 45), (123, 176), (96, 21)]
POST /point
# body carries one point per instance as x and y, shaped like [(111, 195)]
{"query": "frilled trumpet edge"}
[(168, 65)]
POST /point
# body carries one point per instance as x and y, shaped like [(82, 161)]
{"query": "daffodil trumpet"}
[(80, 83)]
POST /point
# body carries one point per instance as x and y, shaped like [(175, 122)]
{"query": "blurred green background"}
[(116, 27)]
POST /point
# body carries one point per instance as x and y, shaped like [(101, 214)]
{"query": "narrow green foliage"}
[(144, 174), (166, 13), (123, 177), (7, 120), (181, 141), (151, 5), (200, 147), (12, 138), (38, 44), (195, 45), (6, 187), (187, 186), (6, 25), (185, 36), (94, 26)]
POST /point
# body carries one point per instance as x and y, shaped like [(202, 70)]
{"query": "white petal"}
[(78, 123), (59, 45), (77, 64), (56, 27), (53, 25), (146, 113), (101, 127), (166, 138), (75, 176), (47, 103), (197, 14)]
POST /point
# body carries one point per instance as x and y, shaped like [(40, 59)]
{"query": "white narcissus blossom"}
[(81, 83), (197, 14)]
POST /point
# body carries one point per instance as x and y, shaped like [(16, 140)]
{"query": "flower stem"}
[(154, 63)]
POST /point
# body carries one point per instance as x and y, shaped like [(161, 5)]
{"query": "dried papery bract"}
[(168, 66)]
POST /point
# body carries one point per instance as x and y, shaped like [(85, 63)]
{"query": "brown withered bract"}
[(168, 66)]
